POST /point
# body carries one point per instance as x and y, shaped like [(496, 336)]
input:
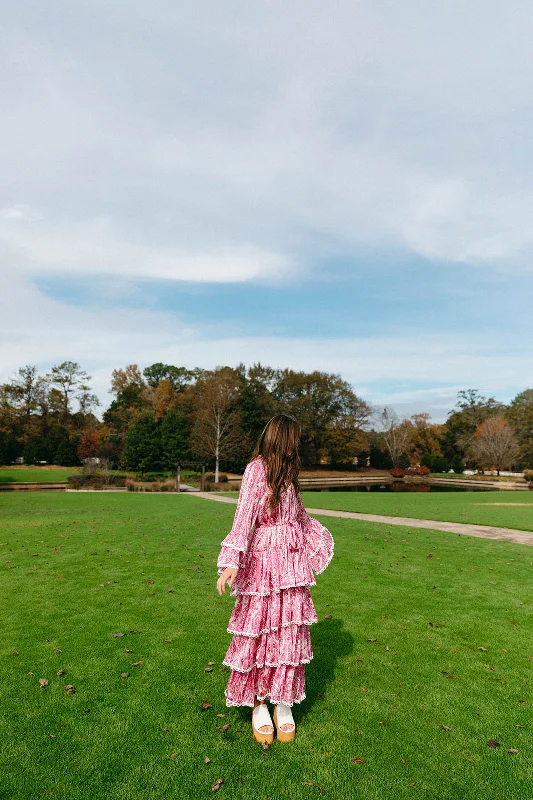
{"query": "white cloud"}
[(91, 247), (206, 133)]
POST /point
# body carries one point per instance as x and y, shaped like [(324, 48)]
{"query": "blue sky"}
[(342, 188)]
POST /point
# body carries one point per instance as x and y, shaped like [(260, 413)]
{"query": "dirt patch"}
[(503, 504)]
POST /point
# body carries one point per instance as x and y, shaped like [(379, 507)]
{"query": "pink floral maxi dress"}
[(273, 611)]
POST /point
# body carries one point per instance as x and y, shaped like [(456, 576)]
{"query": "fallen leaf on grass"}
[(225, 727), (124, 674), (221, 715), (211, 663), (60, 672), (206, 706), (493, 743), (216, 786), (117, 635), (358, 760), (128, 651), (15, 652), (483, 648), (512, 750), (43, 682), (207, 760), (328, 616), (137, 664), (445, 728), (70, 689), (134, 630), (307, 783)]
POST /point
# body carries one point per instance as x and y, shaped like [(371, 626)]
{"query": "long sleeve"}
[(318, 539), (235, 544)]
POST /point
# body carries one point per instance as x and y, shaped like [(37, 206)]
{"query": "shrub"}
[(528, 475), (209, 477), (458, 465), (222, 478), (422, 470), (396, 472)]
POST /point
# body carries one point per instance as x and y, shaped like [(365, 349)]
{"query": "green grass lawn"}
[(414, 643), (511, 509), (505, 509), (30, 474)]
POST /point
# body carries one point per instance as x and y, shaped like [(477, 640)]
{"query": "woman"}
[(270, 573)]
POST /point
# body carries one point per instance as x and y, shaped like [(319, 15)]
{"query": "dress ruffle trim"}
[(272, 569), (254, 615), (281, 684), (289, 646)]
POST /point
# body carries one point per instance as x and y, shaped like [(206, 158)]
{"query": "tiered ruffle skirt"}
[(273, 610)]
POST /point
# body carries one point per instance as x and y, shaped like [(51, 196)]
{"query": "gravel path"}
[(481, 531)]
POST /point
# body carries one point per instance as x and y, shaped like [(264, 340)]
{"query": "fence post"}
[(178, 478)]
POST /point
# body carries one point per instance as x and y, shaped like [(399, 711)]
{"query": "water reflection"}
[(399, 486)]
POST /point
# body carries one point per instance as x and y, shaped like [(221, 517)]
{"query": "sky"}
[(344, 187)]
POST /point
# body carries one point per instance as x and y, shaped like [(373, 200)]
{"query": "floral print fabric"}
[(277, 554)]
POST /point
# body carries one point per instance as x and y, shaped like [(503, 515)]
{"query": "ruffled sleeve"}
[(235, 545), (317, 539)]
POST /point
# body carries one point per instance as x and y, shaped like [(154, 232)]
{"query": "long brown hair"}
[(278, 446)]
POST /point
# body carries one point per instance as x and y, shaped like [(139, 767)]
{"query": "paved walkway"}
[(481, 531)]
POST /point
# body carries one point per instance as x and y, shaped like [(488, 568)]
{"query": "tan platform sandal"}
[(260, 719), (283, 716)]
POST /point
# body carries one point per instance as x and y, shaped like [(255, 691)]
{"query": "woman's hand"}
[(229, 575)]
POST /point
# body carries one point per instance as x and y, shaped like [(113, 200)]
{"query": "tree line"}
[(166, 414)]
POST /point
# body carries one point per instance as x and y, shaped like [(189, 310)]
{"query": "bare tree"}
[(495, 444), (69, 379), (397, 434), (217, 432)]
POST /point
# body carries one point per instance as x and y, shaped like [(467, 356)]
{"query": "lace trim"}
[(269, 630), (266, 664), (230, 703), (233, 547), (222, 568)]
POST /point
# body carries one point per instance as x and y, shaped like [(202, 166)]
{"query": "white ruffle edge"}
[(229, 703), (266, 664)]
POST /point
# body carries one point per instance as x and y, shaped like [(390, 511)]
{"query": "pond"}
[(400, 486)]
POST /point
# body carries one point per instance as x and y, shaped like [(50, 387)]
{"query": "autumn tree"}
[(520, 415), (470, 411), (329, 412), (495, 444), (217, 432)]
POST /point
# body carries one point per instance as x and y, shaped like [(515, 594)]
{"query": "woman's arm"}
[(235, 544)]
